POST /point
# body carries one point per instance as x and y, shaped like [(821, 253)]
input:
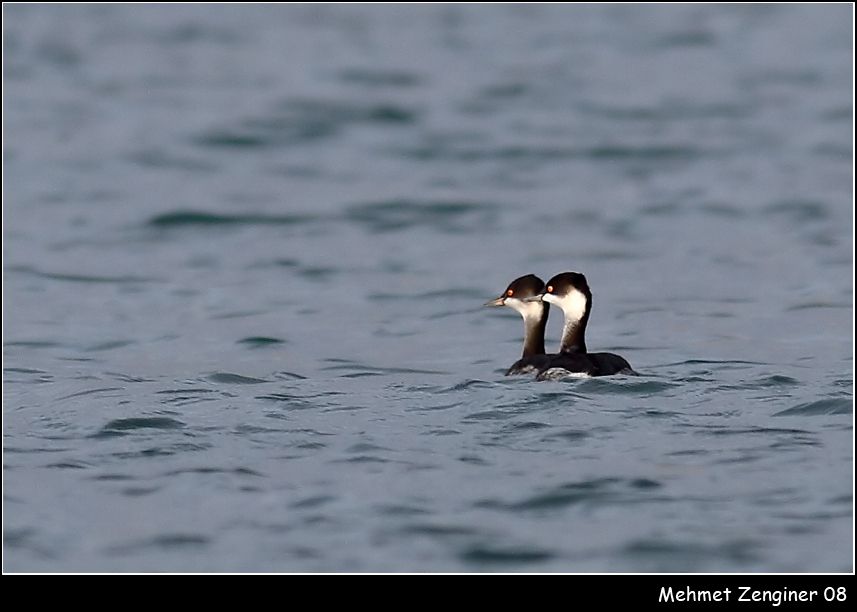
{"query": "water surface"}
[(245, 249)]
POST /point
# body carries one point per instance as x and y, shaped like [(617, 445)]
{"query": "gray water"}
[(245, 252)]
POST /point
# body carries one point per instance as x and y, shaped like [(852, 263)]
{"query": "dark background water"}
[(245, 249)]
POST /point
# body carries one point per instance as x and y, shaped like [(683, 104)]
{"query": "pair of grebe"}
[(570, 292)]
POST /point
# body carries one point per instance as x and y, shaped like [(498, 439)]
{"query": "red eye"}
[(510, 293), (550, 288)]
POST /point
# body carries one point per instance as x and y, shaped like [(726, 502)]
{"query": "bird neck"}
[(574, 327), (535, 321)]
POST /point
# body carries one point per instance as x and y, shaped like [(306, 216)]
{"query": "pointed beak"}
[(500, 301), (535, 298)]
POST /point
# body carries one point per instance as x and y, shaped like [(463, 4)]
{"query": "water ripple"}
[(376, 78), (440, 531), (170, 541), (89, 392), (297, 122), (82, 278), (118, 427), (446, 216), (626, 387), (649, 153), (234, 379), (184, 218), (820, 407), (680, 556), (587, 491), (260, 341), (492, 554)]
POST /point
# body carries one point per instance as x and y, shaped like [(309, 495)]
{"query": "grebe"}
[(571, 293), (535, 314)]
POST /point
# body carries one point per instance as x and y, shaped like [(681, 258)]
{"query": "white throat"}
[(573, 305), (528, 310)]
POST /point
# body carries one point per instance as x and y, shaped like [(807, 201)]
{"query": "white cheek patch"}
[(573, 305), (550, 298), (528, 310)]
